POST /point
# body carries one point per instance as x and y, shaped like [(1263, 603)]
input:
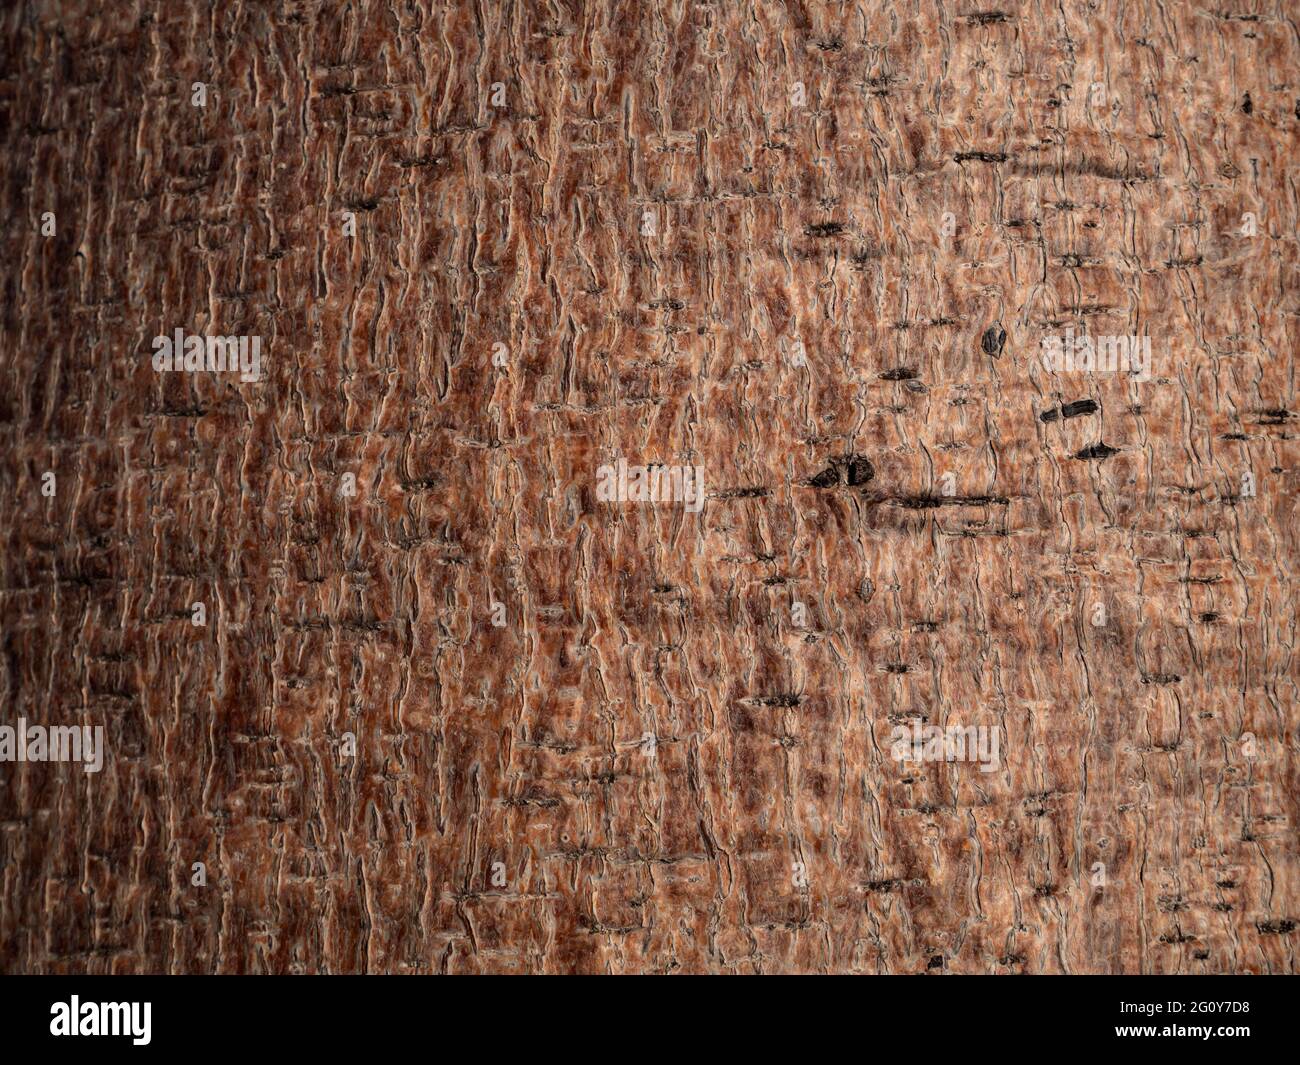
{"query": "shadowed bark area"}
[(449, 708)]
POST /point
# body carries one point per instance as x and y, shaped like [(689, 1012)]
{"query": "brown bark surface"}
[(685, 262)]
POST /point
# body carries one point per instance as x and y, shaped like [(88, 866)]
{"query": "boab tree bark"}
[(973, 328)]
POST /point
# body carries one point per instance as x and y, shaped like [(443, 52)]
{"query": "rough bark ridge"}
[(812, 248)]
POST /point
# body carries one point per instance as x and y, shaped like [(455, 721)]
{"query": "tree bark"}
[(450, 710)]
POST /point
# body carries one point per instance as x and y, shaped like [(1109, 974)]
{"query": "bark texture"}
[(810, 247)]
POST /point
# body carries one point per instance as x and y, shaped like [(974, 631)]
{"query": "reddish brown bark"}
[(685, 260)]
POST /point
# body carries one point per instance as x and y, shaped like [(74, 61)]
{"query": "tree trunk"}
[(931, 649)]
